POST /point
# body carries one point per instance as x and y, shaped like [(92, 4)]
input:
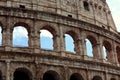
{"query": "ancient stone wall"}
[(34, 63), (94, 12)]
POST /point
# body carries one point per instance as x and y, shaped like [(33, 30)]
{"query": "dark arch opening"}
[(76, 76), (0, 75), (97, 78), (112, 79), (51, 75), (86, 5), (22, 74)]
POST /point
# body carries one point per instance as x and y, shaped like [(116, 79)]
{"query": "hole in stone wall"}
[(103, 26), (76, 76), (97, 78), (50, 75), (69, 15), (21, 75), (22, 6), (86, 6)]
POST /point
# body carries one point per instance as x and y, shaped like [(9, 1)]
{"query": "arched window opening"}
[(20, 37), (86, 5), (89, 48), (46, 40), (0, 36), (118, 53), (76, 76), (50, 75), (104, 53), (107, 50), (69, 43), (22, 74), (97, 78)]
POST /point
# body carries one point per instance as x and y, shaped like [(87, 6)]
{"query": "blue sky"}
[(114, 6)]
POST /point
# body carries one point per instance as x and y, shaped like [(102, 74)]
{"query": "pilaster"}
[(83, 45), (7, 69), (62, 39), (56, 40), (101, 49)]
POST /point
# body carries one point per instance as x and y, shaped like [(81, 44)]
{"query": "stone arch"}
[(108, 49), (94, 46), (53, 32), (49, 28), (26, 25), (112, 79), (76, 76), (73, 40), (118, 53), (51, 75), (22, 74), (97, 78)]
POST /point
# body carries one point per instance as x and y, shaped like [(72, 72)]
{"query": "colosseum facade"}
[(81, 19)]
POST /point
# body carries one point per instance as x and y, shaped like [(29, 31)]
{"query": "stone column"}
[(7, 69), (66, 73), (106, 75), (115, 53), (96, 51), (7, 38), (88, 74), (36, 41), (78, 47), (56, 44), (58, 6), (83, 45), (62, 39), (100, 46), (37, 70)]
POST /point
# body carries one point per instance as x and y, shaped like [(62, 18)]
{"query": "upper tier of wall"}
[(92, 11)]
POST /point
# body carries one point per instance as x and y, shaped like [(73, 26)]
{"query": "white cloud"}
[(45, 33), (20, 32)]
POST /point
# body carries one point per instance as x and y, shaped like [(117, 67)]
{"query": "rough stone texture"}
[(60, 17)]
